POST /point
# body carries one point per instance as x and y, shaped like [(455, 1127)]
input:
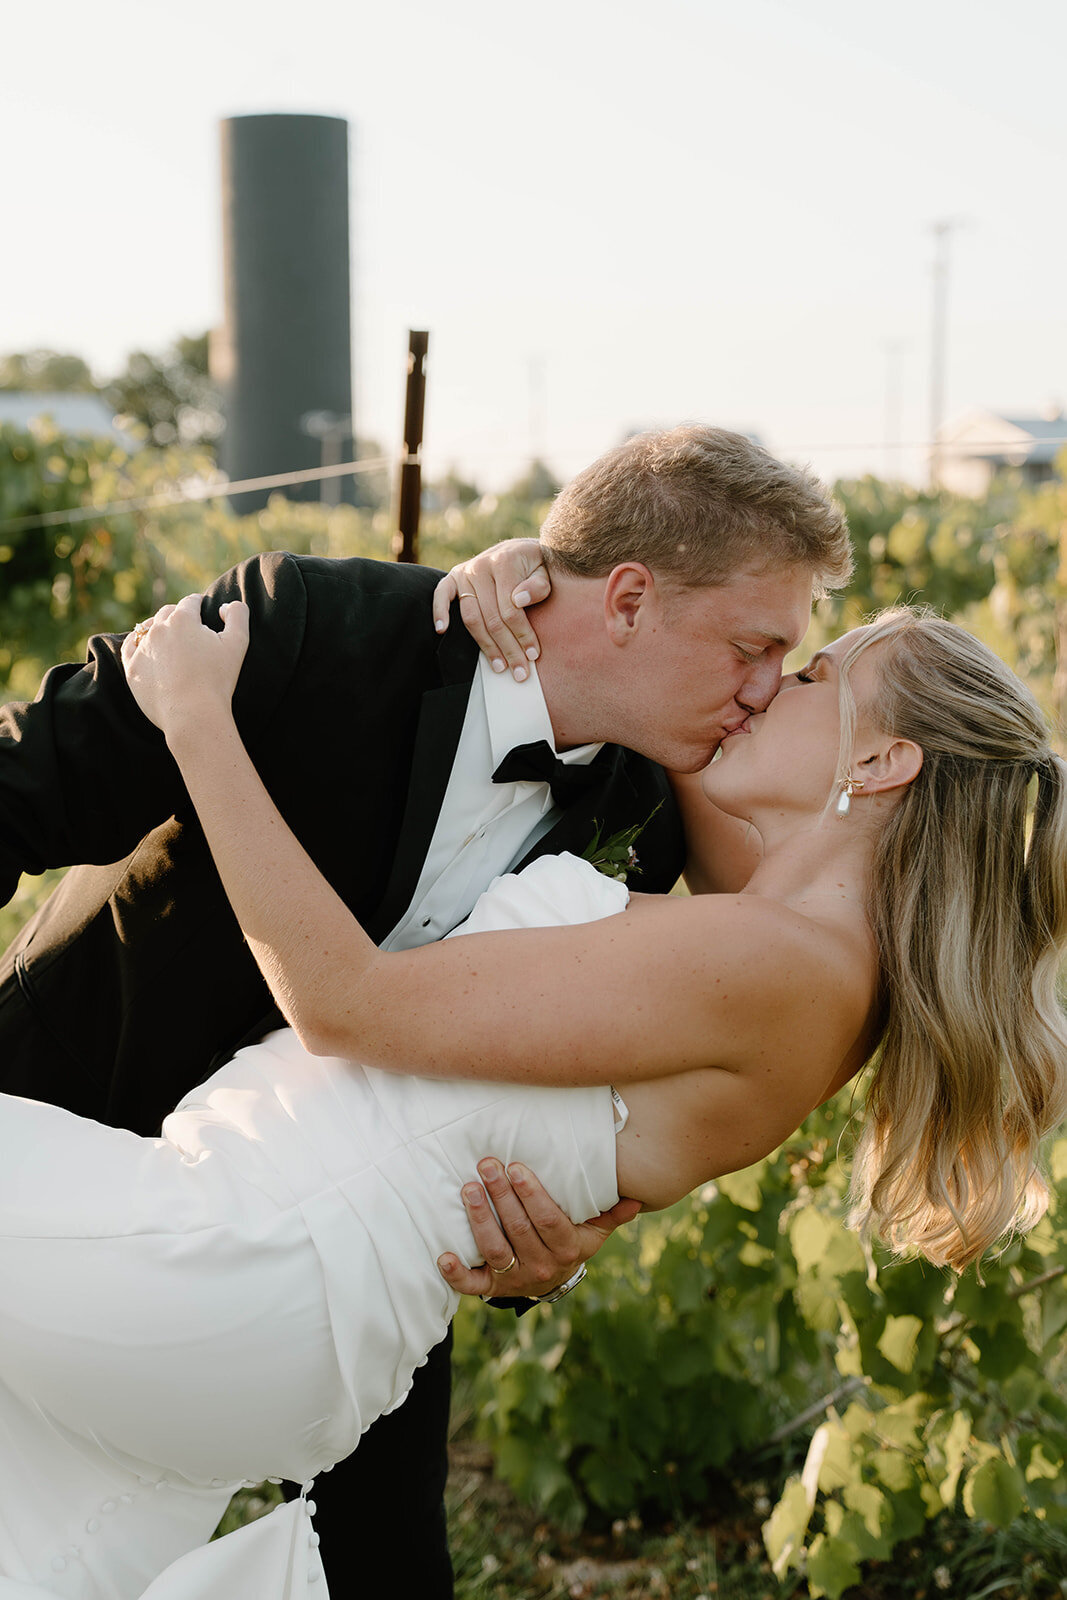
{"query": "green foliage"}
[(537, 485), (171, 396), (692, 1351), (682, 1351), (248, 1505), (913, 545), (999, 565), (62, 582), (46, 371), (701, 1347)]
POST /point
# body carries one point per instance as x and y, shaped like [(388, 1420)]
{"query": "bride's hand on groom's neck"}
[(493, 590)]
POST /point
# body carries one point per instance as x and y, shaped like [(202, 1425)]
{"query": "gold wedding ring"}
[(142, 630), (500, 1271)]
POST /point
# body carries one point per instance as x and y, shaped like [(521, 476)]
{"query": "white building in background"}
[(71, 413), (975, 447)]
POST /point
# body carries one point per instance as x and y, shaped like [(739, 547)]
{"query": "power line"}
[(280, 480), (194, 492), (1004, 447)]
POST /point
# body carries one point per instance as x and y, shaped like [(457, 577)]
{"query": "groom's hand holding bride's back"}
[(531, 1247)]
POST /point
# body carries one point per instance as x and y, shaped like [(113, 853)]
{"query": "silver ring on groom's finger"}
[(500, 1271)]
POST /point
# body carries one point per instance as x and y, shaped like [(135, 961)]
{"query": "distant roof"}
[(1048, 434), (71, 413), (995, 436)]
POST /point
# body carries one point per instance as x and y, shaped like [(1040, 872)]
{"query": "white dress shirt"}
[(484, 828)]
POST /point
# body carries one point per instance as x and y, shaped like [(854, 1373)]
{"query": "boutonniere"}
[(616, 857)]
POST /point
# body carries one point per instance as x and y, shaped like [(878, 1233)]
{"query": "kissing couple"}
[(302, 789)]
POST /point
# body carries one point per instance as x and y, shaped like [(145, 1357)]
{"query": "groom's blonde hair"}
[(696, 504)]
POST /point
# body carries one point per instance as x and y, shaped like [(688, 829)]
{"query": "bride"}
[(911, 901)]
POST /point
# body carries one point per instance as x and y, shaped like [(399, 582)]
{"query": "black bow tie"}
[(539, 763)]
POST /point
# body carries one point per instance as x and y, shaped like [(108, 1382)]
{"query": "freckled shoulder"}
[(766, 972), (777, 1012)]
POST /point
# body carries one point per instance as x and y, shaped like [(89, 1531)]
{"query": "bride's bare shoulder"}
[(755, 949), (750, 915)]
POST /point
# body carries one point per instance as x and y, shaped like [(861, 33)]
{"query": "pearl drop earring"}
[(848, 789)]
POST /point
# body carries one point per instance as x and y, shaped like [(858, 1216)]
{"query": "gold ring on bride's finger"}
[(500, 1271), (142, 630)]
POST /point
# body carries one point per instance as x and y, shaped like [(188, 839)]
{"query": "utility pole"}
[(406, 542), (332, 431), (942, 232), (893, 352), (536, 378)]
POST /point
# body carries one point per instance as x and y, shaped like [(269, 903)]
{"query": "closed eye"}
[(811, 672), (748, 655)]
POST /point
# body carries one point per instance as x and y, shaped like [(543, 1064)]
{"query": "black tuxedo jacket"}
[(133, 979)]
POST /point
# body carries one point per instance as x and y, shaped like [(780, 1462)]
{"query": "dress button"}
[(217, 1483), (312, 1507), (314, 1575), (93, 1525), (426, 922), (313, 1541), (109, 1505), (274, 1480)]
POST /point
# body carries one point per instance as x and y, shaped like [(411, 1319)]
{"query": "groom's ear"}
[(630, 601)]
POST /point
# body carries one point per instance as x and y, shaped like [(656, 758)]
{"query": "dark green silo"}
[(284, 358)]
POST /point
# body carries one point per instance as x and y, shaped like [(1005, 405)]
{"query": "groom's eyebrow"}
[(769, 636)]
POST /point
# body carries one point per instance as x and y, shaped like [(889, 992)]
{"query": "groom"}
[(685, 563)]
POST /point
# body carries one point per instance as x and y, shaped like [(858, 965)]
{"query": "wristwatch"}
[(565, 1288)]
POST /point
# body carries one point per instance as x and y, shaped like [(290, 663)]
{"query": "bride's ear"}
[(893, 765)]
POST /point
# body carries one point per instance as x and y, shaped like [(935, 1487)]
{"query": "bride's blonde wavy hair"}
[(969, 905)]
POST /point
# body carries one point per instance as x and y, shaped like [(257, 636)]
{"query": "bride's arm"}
[(630, 997)]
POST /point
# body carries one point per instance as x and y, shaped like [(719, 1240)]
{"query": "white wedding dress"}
[(242, 1297)]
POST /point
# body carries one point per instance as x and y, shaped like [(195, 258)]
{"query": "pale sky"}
[(671, 210)]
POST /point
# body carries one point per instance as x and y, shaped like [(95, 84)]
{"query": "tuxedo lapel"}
[(613, 794), (437, 735)]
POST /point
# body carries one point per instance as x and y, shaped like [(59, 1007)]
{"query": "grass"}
[(503, 1551)]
